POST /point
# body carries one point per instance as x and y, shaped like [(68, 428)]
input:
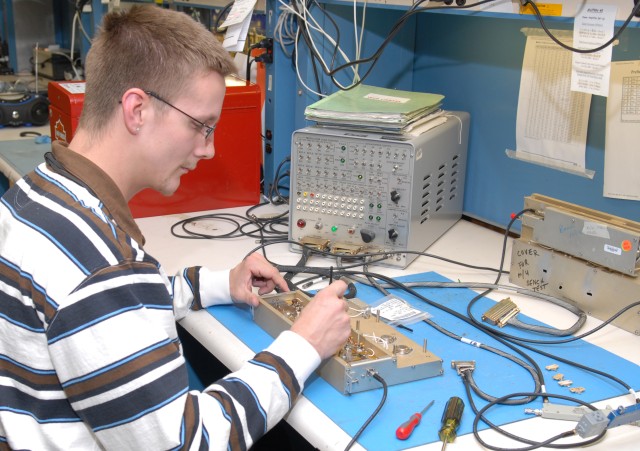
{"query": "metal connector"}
[(320, 244), (345, 249), (463, 365), (501, 313)]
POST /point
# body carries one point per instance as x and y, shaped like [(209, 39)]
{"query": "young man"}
[(89, 356)]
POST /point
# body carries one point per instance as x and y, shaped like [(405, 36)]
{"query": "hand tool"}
[(450, 420), (405, 429)]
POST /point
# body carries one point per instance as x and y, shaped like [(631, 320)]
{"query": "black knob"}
[(395, 196), (393, 234), (367, 235)]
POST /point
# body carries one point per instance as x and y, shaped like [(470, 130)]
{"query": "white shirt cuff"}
[(299, 354), (214, 287)]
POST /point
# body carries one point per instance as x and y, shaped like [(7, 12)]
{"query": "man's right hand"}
[(324, 322)]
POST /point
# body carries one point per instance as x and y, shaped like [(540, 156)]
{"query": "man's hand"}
[(254, 271), (324, 322)]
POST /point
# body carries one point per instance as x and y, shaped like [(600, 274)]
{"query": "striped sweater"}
[(89, 353)]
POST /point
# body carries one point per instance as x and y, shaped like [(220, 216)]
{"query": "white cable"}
[(76, 17), (358, 42), (298, 72), (312, 24)]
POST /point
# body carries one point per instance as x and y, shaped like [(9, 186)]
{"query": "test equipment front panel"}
[(356, 192)]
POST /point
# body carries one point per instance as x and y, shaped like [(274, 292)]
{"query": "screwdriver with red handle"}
[(405, 429)]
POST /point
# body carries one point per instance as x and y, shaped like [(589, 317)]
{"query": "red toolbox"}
[(230, 179), (65, 105)]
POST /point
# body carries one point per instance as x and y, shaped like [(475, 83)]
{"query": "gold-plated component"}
[(345, 249), (577, 390), (558, 377), (501, 313), (320, 244), (565, 382), (552, 367)]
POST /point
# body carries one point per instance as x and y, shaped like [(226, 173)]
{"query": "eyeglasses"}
[(205, 129)]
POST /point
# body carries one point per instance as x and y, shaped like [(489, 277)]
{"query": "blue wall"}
[(474, 60)]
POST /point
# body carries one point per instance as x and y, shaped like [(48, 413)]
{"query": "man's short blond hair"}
[(146, 47)]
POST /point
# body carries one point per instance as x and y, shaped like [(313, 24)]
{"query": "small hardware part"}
[(577, 390), (558, 377), (501, 313), (565, 382), (552, 367)]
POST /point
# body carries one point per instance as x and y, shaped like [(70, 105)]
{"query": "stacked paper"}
[(378, 109)]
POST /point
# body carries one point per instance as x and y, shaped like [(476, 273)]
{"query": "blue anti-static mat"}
[(495, 376)]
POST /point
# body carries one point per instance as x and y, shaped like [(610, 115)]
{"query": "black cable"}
[(635, 9), (534, 445), (221, 14), (414, 9), (249, 62), (377, 377)]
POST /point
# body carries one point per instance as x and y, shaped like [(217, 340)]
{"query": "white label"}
[(73, 88), (383, 98), (395, 309), (471, 342), (612, 249), (595, 229)]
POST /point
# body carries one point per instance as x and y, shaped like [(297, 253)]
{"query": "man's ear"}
[(134, 102)]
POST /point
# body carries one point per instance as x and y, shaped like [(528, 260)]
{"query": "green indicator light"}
[(342, 160), (334, 229), (378, 218), (371, 205), (359, 176), (370, 217), (379, 205), (344, 147)]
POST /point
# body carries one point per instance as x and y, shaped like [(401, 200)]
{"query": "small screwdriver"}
[(405, 429), (450, 420)]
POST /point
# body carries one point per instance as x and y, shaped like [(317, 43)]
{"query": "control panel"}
[(358, 192)]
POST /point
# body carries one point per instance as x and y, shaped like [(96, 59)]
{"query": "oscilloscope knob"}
[(393, 234), (367, 235), (395, 196)]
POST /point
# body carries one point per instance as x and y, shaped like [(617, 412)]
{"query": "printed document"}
[(593, 27), (621, 151), (551, 127)]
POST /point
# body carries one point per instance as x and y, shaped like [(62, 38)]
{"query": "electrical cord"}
[(415, 8), (634, 10), (498, 352), (222, 14), (357, 435), (534, 445)]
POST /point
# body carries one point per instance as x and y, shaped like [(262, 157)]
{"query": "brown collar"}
[(102, 186)]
